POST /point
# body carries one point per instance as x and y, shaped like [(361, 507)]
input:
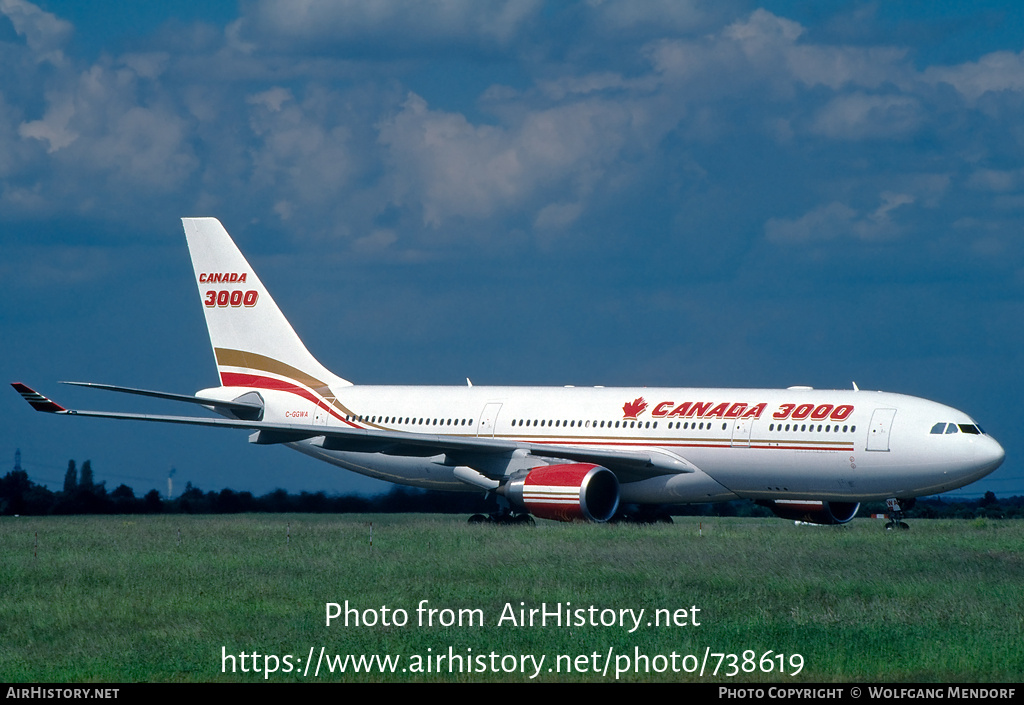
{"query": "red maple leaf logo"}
[(631, 409)]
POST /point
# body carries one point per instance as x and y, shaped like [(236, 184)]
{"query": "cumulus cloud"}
[(456, 169), (762, 31), (299, 151), (998, 71), (53, 127), (690, 104), (616, 17), (384, 26), (45, 33), (116, 133), (836, 220), (858, 115), (558, 215), (764, 47), (997, 180), (826, 222)]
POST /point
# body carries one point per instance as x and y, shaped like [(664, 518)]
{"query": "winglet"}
[(37, 400)]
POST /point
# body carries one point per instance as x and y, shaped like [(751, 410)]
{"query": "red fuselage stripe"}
[(235, 379)]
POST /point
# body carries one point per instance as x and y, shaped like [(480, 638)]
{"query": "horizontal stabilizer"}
[(242, 409)]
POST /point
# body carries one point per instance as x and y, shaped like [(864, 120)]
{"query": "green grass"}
[(118, 599)]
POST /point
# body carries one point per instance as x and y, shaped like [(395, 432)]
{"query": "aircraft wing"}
[(628, 465)]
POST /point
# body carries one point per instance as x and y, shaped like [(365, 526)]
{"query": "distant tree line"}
[(81, 494)]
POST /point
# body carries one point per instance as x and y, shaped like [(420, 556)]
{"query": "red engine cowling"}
[(812, 511), (571, 492)]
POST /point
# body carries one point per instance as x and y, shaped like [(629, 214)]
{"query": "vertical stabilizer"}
[(253, 343)]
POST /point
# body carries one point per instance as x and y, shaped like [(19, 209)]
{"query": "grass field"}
[(125, 599)]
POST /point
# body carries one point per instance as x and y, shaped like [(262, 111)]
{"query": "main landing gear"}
[(507, 518), (504, 515), (644, 514), (895, 514)]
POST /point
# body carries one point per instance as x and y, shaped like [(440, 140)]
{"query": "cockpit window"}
[(941, 428)]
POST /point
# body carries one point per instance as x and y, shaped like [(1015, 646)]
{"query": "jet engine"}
[(570, 492), (812, 511)]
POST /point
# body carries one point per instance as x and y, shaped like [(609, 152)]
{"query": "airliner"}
[(566, 453)]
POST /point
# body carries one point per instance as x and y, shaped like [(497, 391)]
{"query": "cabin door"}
[(487, 419), (879, 429)]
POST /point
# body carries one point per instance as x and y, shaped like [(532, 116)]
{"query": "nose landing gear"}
[(895, 514)]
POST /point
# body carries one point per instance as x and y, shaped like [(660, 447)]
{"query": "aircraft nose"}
[(990, 454)]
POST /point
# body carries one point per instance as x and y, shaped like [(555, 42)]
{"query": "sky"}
[(661, 193)]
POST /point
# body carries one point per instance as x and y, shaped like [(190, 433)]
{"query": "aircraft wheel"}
[(524, 520), (897, 526), (478, 519)]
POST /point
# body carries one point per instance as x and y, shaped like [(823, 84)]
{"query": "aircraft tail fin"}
[(253, 343)]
